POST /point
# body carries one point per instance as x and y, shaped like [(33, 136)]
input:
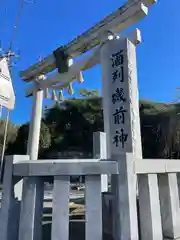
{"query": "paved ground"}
[(73, 194)]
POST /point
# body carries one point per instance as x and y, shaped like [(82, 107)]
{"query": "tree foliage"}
[(19, 146), (69, 126), (11, 134), (73, 122)]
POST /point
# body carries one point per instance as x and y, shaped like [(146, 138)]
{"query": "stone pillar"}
[(93, 201), (100, 151), (33, 188), (35, 125), (122, 126), (30, 225), (18, 186), (60, 212), (149, 206), (120, 98), (8, 203), (170, 208)]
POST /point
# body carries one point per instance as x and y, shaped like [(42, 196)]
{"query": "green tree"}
[(20, 145), (44, 140), (11, 135), (73, 122), (69, 127)]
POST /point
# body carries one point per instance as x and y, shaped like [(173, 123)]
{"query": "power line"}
[(17, 21), (15, 28), (8, 55)]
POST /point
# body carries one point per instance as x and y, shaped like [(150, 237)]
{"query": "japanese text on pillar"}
[(119, 99)]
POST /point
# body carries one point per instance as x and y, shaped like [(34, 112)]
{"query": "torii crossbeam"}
[(127, 15), (58, 81)]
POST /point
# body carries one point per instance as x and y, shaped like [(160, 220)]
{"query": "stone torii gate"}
[(117, 55), (62, 59)]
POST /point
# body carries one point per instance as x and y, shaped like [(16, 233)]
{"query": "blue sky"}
[(45, 25)]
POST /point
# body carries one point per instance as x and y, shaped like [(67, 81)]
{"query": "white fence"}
[(159, 198), (33, 173), (158, 195)]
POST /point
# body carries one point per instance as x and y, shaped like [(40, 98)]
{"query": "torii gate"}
[(62, 59), (120, 97)]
